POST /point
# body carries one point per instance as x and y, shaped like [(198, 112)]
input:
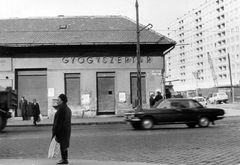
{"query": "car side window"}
[(174, 105), (194, 104), (184, 104)]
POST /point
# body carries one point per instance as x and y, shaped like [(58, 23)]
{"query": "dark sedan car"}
[(174, 111)]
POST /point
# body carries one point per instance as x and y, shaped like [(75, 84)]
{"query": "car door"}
[(188, 110), (166, 112)]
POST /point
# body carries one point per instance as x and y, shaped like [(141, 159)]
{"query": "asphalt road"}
[(165, 144)]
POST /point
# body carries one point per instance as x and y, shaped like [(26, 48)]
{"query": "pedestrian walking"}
[(23, 106), (158, 96), (35, 111), (62, 127), (151, 100)]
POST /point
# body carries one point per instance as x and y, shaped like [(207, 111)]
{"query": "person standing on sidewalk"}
[(23, 106), (62, 127), (35, 111)]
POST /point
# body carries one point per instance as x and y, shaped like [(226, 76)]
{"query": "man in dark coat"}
[(62, 127), (151, 100), (23, 106), (158, 97), (35, 111)]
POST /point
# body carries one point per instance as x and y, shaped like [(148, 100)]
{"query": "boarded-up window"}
[(133, 82), (72, 88)]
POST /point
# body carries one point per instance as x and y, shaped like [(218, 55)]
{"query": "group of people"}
[(153, 100), (24, 108)]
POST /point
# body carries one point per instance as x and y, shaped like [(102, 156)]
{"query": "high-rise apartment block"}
[(207, 37)]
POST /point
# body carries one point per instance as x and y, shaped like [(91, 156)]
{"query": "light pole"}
[(139, 87)]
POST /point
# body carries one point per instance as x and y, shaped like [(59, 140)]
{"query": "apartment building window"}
[(220, 26), (219, 1), (181, 41), (222, 59), (221, 51), (221, 17), (222, 68), (200, 70), (183, 60), (198, 20), (182, 54), (200, 63), (181, 22), (182, 67), (222, 76), (199, 41), (200, 56), (222, 34), (220, 9), (198, 12)]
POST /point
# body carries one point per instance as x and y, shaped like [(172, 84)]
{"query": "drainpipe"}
[(163, 70)]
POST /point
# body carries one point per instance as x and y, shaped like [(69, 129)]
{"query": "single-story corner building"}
[(92, 59)]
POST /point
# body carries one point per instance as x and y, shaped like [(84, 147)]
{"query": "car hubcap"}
[(204, 121), (147, 124)]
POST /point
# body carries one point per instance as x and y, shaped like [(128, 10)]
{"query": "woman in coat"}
[(35, 111), (62, 127)]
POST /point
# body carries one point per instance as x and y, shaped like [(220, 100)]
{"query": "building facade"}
[(90, 59), (207, 37)]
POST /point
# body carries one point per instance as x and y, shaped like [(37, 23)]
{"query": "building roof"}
[(82, 30)]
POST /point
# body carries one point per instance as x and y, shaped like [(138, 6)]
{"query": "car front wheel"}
[(147, 123), (203, 121)]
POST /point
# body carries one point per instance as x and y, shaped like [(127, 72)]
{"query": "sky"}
[(160, 13)]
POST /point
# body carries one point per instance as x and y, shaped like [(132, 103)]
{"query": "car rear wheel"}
[(191, 125), (136, 125), (203, 121), (147, 123)]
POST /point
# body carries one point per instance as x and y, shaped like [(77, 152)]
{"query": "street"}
[(165, 144)]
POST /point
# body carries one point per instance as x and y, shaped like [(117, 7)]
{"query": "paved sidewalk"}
[(17, 121), (71, 162)]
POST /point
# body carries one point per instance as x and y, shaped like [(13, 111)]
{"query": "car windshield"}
[(200, 99), (221, 94)]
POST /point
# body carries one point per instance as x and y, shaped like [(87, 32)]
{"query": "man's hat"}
[(63, 98)]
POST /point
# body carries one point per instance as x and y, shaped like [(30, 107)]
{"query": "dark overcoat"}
[(35, 109), (62, 126)]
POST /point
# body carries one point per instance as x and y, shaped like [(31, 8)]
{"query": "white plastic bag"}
[(54, 149), (40, 118)]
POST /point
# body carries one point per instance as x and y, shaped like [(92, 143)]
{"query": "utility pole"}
[(230, 75), (139, 87)]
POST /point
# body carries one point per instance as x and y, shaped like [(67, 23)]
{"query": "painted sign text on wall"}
[(104, 60)]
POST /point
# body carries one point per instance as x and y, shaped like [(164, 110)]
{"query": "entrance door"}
[(32, 84), (105, 93)]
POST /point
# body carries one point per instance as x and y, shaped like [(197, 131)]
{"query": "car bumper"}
[(219, 117)]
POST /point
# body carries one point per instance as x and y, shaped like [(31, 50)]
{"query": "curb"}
[(86, 123)]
